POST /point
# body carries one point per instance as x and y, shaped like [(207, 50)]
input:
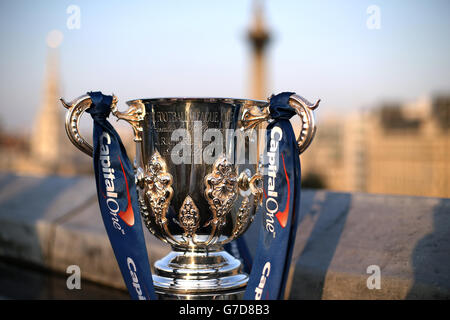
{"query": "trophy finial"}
[(314, 107), (64, 103)]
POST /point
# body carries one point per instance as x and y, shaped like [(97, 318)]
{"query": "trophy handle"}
[(253, 116), (75, 109), (134, 116)]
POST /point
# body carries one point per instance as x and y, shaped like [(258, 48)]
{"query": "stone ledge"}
[(55, 222), (60, 225), (340, 235), (82, 240), (31, 207)]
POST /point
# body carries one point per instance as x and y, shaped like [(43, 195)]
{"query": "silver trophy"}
[(192, 196)]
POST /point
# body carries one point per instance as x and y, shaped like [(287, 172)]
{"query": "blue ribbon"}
[(117, 198), (280, 205)]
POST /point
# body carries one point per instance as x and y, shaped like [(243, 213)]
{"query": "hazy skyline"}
[(320, 49)]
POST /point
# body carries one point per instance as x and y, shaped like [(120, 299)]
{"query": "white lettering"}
[(109, 177), (134, 277), (271, 203), (262, 282)]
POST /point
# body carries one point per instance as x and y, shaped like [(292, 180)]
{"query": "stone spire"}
[(48, 141), (259, 37)]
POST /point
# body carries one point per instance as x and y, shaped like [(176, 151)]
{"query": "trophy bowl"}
[(198, 183)]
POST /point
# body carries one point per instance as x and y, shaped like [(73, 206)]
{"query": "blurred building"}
[(47, 150), (394, 149)]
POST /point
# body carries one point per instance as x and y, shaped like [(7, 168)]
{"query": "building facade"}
[(393, 149)]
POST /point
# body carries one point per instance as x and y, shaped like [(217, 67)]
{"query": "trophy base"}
[(232, 295), (202, 274)]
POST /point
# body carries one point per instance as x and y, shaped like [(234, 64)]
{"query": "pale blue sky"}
[(137, 49)]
